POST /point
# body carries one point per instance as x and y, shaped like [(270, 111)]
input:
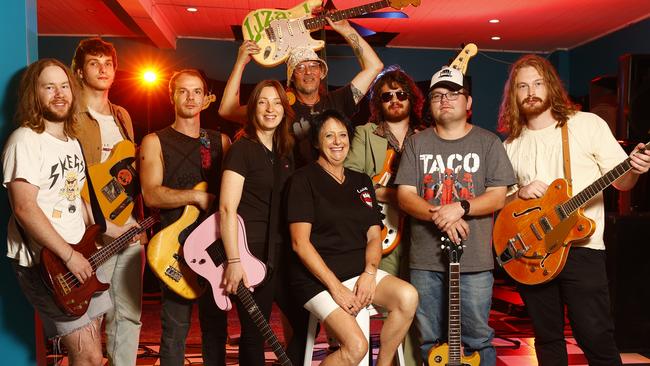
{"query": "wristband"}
[(234, 260), (70, 257)]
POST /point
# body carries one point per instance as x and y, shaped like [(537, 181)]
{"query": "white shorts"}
[(323, 303)]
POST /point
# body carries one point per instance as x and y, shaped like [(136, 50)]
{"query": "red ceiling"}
[(541, 25)]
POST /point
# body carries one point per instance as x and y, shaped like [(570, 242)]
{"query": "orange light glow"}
[(149, 76)]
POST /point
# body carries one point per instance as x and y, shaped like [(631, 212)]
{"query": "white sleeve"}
[(21, 158)]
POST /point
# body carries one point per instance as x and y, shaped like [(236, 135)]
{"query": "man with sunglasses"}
[(395, 114), (451, 179)]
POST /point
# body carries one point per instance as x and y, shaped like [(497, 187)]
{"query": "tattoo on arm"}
[(356, 94), (353, 39)]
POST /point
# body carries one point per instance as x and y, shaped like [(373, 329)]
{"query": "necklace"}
[(339, 180)]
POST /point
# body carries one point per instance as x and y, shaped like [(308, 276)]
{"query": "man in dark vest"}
[(172, 161)]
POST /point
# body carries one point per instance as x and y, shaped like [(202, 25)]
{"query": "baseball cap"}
[(301, 54), (449, 78)]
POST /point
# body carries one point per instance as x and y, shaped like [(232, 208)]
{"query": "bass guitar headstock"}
[(399, 4), (462, 60)]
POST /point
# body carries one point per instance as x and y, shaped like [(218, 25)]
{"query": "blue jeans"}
[(476, 299)]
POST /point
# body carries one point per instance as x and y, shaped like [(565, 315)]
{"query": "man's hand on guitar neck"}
[(534, 189)]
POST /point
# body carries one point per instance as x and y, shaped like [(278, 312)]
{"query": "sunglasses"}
[(388, 96)]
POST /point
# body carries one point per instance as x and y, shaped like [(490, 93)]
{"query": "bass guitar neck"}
[(72, 296)]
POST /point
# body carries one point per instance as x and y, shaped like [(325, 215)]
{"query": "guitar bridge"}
[(63, 284), (511, 252), (173, 273)]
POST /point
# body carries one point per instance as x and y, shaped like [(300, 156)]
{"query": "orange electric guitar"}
[(277, 31), (391, 216), (532, 237), (165, 253)]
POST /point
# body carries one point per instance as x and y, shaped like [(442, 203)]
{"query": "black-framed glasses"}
[(451, 96), (388, 96)]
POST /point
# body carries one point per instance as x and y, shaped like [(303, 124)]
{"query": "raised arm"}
[(151, 177), (230, 108), (370, 63)]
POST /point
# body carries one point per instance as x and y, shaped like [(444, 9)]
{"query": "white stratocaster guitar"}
[(277, 31)]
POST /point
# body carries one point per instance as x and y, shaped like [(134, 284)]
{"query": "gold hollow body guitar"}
[(165, 253), (277, 31)]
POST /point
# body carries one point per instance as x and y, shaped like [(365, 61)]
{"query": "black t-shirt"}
[(254, 162), (340, 99), (340, 214)]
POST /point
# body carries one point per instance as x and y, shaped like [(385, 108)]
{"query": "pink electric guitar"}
[(204, 253)]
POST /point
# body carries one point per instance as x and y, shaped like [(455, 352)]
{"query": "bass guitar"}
[(277, 31), (205, 254), (70, 295), (115, 182), (391, 216), (532, 237), (451, 353), (165, 257)]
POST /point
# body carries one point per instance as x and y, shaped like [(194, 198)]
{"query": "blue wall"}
[(18, 49)]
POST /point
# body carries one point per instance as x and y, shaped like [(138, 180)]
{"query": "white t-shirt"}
[(57, 168), (110, 132), (537, 155)]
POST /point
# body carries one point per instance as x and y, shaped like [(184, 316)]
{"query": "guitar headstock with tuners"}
[(399, 4), (208, 99), (461, 61), (454, 250)]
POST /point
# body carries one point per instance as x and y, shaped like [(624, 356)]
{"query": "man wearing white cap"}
[(452, 177), (305, 70)]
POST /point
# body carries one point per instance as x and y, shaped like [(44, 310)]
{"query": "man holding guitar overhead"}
[(305, 71), (172, 161), (452, 177), (101, 125), (535, 113), (44, 171), (395, 111)]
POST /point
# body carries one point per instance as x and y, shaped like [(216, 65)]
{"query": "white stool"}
[(363, 319)]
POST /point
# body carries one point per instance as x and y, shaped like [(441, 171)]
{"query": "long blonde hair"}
[(30, 110), (511, 120)]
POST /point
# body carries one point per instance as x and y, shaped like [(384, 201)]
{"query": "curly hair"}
[(29, 112), (282, 138), (395, 77), (92, 46), (511, 120)]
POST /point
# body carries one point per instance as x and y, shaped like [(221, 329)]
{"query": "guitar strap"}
[(120, 119), (94, 203), (566, 156)]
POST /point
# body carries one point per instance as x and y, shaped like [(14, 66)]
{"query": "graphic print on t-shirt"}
[(365, 196), (67, 169), (449, 178)]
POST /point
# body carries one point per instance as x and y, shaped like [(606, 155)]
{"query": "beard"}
[(395, 114), (53, 115), (529, 109)]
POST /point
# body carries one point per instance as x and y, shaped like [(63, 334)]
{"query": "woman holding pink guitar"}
[(335, 231), (255, 170)]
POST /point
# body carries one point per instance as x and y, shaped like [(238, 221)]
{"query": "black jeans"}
[(274, 289), (582, 287), (175, 318)]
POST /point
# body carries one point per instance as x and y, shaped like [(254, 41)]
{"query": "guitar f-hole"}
[(526, 212)]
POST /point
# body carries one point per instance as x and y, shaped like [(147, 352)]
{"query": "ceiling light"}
[(192, 10), (494, 21), (495, 38)]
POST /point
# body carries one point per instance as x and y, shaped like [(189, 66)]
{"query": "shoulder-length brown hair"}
[(511, 120), (282, 138), (30, 110), (395, 78)]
